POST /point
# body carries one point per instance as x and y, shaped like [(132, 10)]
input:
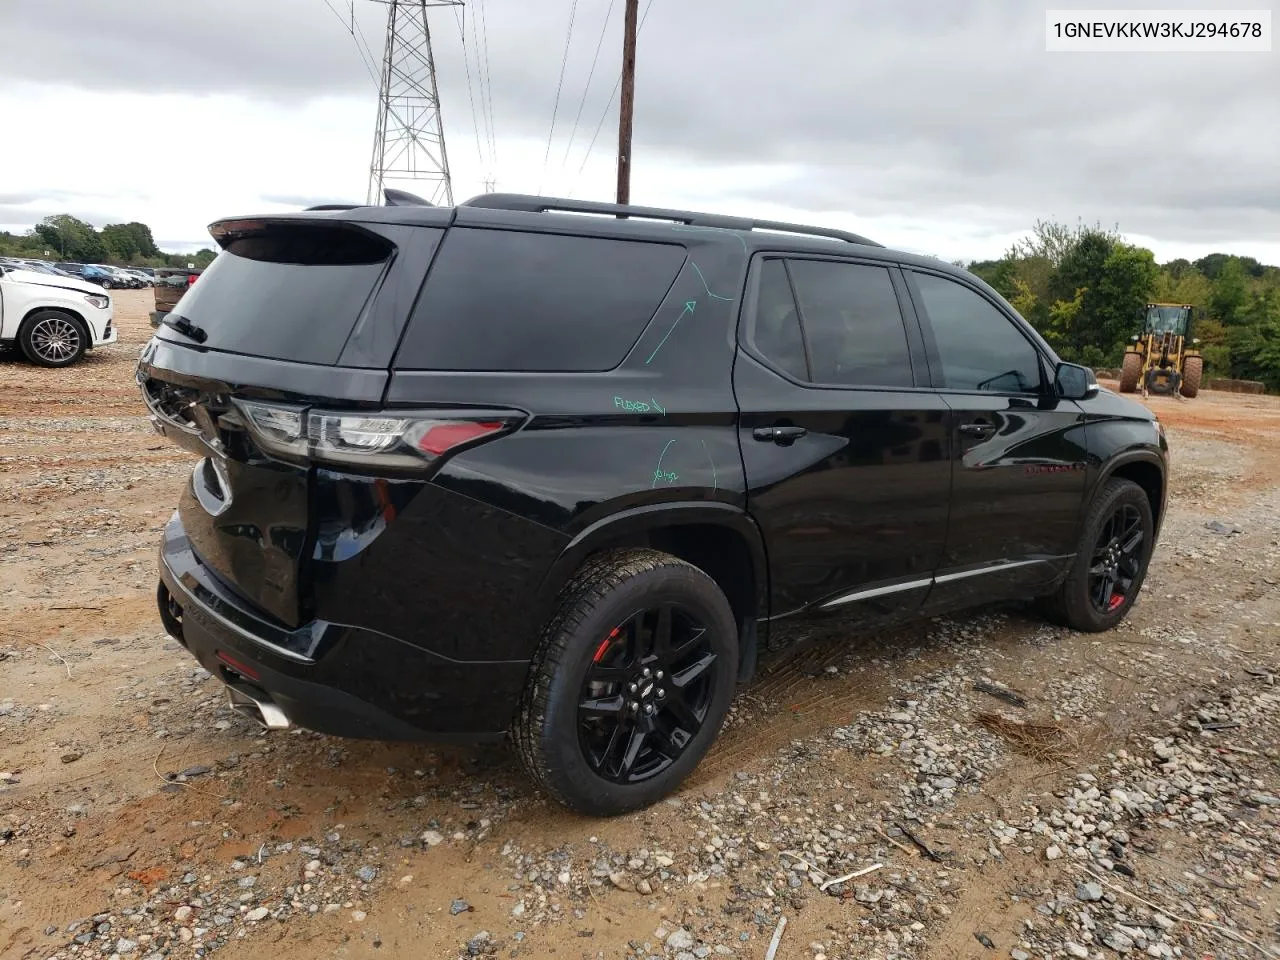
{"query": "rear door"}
[(846, 451), (1018, 450), (290, 312)]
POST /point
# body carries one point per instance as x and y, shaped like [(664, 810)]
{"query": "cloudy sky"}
[(940, 126)]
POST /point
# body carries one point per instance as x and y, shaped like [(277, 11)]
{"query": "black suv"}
[(565, 470)]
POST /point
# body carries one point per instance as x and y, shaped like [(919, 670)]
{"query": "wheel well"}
[(1148, 477), (63, 310), (721, 553)]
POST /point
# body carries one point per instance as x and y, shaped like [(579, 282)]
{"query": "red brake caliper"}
[(604, 646)]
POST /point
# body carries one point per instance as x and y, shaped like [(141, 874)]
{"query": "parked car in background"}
[(505, 467), (170, 284), (52, 319), (144, 279), (70, 267), (43, 266), (39, 266), (121, 277), (101, 276)]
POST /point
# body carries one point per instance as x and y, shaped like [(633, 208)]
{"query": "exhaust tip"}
[(257, 707)]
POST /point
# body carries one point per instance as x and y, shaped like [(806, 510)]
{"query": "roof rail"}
[(532, 204)]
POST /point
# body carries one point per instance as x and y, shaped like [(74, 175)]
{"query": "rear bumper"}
[(333, 678)]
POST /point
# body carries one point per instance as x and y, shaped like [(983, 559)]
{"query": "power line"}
[(488, 85), (587, 89), (564, 60), (367, 61), (616, 84), (359, 29), (466, 60)]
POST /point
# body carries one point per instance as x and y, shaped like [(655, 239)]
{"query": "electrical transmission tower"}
[(408, 144)]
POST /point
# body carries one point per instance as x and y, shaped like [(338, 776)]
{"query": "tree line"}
[(1084, 288), (64, 237)]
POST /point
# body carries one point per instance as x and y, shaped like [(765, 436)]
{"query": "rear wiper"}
[(186, 328)]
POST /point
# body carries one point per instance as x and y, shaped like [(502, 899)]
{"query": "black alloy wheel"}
[(646, 693), (632, 678), (1110, 561), (1117, 559)]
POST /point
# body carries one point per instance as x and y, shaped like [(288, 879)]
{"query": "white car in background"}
[(53, 320)]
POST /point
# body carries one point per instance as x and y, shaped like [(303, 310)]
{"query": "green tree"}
[(1182, 287), (1063, 321), (120, 242), (142, 238), (71, 238), (1230, 292), (1124, 289)]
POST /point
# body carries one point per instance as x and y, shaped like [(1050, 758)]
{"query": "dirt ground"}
[(359, 849)]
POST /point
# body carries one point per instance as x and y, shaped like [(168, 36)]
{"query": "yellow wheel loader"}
[(1163, 359)]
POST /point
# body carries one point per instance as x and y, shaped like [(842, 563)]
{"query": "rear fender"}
[(650, 526)]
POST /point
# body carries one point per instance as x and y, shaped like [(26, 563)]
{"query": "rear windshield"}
[(288, 292), (506, 300)]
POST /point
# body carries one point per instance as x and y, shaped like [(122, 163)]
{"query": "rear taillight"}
[(408, 441), (191, 279)]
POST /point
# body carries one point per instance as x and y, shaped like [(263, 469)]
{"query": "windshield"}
[(1167, 319)]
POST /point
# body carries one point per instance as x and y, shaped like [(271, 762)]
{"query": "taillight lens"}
[(434, 437), (406, 441), (279, 429)]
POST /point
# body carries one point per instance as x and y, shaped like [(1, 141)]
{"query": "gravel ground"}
[(984, 785)]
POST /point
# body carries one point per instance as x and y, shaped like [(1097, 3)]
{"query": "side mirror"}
[(1075, 382)]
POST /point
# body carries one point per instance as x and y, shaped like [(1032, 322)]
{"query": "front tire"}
[(633, 676), (1130, 371), (1111, 560), (51, 338), (1192, 370)]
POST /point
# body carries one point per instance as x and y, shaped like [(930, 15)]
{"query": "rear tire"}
[(1130, 372), (577, 732), (52, 338), (1119, 511), (1192, 371)]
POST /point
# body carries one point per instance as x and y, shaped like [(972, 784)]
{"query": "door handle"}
[(783, 436), (978, 429)]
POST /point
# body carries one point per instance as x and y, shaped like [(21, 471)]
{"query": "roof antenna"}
[(401, 198)]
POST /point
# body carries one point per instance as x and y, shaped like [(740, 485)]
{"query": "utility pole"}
[(408, 143), (627, 109)]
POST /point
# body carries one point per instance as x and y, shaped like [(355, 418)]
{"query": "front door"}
[(846, 457), (1018, 450)]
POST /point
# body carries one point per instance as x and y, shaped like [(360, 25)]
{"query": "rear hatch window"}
[(502, 300), (286, 291)]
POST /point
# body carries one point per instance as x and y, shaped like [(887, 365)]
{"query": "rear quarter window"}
[(514, 301)]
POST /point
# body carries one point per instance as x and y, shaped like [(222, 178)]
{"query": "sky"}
[(936, 126)]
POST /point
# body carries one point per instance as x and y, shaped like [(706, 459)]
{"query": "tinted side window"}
[(979, 346), (504, 300), (776, 333), (852, 323)]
